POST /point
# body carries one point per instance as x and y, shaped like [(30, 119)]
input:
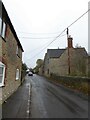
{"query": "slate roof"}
[(55, 53), (81, 51)]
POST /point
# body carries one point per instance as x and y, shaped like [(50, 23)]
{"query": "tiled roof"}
[(55, 53)]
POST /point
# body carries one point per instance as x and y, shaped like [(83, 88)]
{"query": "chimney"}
[(70, 42)]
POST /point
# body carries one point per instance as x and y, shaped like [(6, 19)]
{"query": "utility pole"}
[(68, 52)]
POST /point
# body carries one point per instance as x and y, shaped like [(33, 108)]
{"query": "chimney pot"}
[(70, 42)]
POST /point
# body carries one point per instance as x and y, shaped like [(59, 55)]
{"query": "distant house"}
[(51, 61), (69, 61), (10, 56)]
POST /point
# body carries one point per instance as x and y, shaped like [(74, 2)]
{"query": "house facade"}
[(10, 56), (51, 61), (62, 62)]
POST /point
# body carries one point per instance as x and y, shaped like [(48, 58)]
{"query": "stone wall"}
[(46, 65), (88, 66), (12, 63), (60, 66)]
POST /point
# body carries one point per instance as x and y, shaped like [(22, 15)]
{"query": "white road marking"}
[(28, 103)]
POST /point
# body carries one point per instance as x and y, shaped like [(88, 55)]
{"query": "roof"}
[(82, 51), (4, 14), (55, 53)]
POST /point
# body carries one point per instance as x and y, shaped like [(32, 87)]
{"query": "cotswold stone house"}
[(10, 56), (69, 61)]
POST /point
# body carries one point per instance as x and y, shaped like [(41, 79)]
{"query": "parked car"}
[(30, 74)]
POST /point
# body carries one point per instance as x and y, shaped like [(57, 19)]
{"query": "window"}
[(2, 28), (18, 51), (2, 74), (17, 74)]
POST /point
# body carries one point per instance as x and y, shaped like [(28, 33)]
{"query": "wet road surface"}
[(39, 98), (51, 101)]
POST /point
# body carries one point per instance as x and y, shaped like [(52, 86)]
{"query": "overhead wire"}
[(63, 31), (38, 33), (43, 49), (36, 37), (39, 47)]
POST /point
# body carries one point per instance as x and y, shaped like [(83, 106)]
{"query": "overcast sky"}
[(42, 19)]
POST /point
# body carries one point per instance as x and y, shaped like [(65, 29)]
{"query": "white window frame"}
[(17, 74), (3, 75), (3, 30)]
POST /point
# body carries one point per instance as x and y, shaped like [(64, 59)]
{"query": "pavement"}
[(18, 103)]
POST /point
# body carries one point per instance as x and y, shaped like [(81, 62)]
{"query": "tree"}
[(39, 63), (24, 66)]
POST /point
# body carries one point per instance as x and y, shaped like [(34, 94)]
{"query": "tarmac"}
[(18, 104)]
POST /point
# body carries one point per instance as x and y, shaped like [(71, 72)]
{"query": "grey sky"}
[(49, 17)]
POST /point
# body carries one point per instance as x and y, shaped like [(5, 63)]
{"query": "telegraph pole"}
[(68, 52)]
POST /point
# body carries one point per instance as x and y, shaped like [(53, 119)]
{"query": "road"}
[(39, 98), (52, 101)]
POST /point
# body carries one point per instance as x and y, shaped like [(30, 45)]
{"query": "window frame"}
[(3, 27), (18, 51), (3, 30), (0, 26), (3, 74), (17, 74)]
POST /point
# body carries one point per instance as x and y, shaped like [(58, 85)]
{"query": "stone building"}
[(69, 61), (51, 61), (88, 66), (10, 56)]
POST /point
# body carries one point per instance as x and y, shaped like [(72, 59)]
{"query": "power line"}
[(36, 37), (52, 33), (78, 18), (55, 32), (44, 48), (62, 32), (38, 47), (38, 33)]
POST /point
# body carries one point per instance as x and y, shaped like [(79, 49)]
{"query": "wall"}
[(88, 66), (77, 62), (60, 66), (46, 65), (78, 57), (12, 62)]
